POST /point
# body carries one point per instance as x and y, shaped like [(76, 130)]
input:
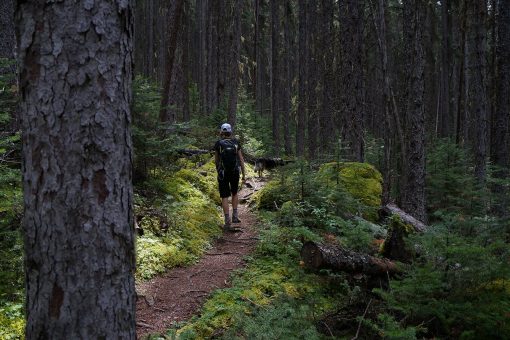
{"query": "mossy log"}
[(392, 209), (325, 256), (192, 152)]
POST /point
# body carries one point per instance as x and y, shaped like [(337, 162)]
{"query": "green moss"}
[(394, 246), (361, 180), (12, 322), (272, 195), (181, 221)]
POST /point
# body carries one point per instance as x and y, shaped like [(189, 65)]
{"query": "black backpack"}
[(228, 155)]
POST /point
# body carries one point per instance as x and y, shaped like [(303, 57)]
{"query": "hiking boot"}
[(227, 227), (236, 219)]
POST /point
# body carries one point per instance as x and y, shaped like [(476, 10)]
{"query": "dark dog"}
[(262, 164)]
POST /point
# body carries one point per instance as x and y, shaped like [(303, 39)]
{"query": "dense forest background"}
[(383, 81), (418, 89)]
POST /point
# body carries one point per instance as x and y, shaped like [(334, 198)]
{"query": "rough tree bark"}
[(235, 59), (352, 55), (201, 10), (76, 71), (477, 84), (326, 59), (444, 96), (413, 199), (380, 26), (303, 80), (212, 56), (275, 75), (500, 135), (287, 77), (173, 32), (313, 78)]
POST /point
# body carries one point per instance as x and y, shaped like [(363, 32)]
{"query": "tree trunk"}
[(392, 209), (477, 67), (444, 102), (353, 98), (78, 223), (235, 60), (500, 135), (7, 34), (275, 75), (287, 78), (323, 256), (222, 49), (186, 57), (326, 57), (201, 8), (303, 80), (173, 32), (414, 186), (313, 70), (380, 26), (150, 38), (212, 56)]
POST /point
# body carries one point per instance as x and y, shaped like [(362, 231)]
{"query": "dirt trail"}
[(178, 294)]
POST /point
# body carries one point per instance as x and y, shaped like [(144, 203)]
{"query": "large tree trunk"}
[(173, 32), (477, 67), (500, 135), (353, 98), (78, 224), (380, 25), (323, 256), (303, 80), (414, 190)]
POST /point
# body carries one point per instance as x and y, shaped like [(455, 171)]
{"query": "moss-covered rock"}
[(361, 180), (272, 196)]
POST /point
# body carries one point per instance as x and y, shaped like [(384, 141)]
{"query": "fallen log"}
[(392, 209), (326, 256), (192, 152)]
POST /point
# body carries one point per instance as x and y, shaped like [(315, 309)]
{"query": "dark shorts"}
[(228, 184)]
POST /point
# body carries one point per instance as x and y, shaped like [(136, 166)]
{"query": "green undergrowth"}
[(344, 188), (179, 216), (274, 297), (273, 293)]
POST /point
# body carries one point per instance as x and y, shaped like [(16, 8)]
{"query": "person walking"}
[(229, 161)]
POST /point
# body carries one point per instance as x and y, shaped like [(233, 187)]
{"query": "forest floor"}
[(179, 294)]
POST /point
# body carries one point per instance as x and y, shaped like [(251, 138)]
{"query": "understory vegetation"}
[(456, 283)]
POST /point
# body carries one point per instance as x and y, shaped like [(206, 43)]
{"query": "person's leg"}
[(224, 205), (234, 186), (224, 188)]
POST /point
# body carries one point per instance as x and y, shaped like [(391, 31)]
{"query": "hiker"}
[(228, 158)]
